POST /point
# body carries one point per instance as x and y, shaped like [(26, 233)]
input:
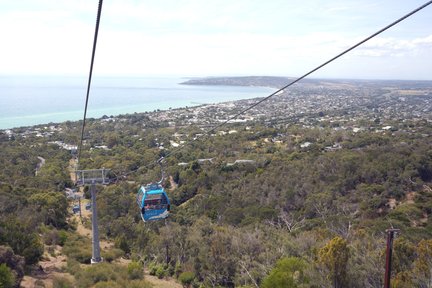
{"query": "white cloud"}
[(189, 37), (139, 53), (392, 47)]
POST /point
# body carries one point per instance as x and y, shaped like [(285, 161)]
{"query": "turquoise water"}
[(26, 101)]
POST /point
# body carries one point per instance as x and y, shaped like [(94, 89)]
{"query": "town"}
[(353, 105)]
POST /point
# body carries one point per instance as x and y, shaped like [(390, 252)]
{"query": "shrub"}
[(406, 213), (102, 272), (51, 237), (177, 269), (112, 254), (160, 272), (106, 275), (81, 254), (60, 282), (186, 278), (135, 270), (139, 284), (288, 272), (7, 278), (34, 251), (55, 237), (170, 269), (78, 248), (72, 266), (62, 237), (122, 243), (108, 284), (152, 268)]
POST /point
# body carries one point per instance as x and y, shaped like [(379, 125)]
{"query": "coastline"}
[(62, 99)]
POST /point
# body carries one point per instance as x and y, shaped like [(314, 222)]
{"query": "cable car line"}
[(321, 66), (207, 133), (90, 76), (152, 199)]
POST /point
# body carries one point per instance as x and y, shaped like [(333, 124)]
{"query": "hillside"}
[(267, 81), (303, 186)]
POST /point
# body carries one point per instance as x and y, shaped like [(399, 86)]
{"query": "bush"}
[(12, 263), (161, 272), (170, 269), (124, 283), (34, 251), (54, 237), (135, 270), (60, 282), (78, 248), (62, 237), (105, 275), (50, 237), (7, 278), (186, 278), (158, 270), (177, 269), (81, 254), (72, 266), (102, 272), (122, 243), (152, 268), (109, 284), (406, 213), (112, 254), (139, 284), (288, 272)]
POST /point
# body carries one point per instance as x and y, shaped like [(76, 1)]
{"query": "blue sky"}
[(215, 37)]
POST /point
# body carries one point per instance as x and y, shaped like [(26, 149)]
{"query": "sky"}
[(193, 38)]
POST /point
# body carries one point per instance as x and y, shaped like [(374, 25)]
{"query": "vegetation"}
[(295, 216), (7, 278), (186, 278), (288, 272)]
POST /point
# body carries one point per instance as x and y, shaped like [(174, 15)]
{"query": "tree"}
[(52, 206), (334, 255), (403, 255), (14, 264), (21, 238), (288, 273), (423, 264)]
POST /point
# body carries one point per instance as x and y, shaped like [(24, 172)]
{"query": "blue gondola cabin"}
[(76, 209), (153, 202)]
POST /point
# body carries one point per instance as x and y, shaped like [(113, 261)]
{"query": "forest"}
[(309, 208)]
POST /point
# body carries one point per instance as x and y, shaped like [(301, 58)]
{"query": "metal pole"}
[(79, 203), (389, 250), (96, 258)]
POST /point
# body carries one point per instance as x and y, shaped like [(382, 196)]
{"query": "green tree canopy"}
[(334, 255), (288, 273)]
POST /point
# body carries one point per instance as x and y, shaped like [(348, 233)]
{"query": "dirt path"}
[(84, 231), (39, 165), (72, 166), (173, 184)]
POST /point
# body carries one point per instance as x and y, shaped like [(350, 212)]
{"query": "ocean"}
[(27, 101)]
